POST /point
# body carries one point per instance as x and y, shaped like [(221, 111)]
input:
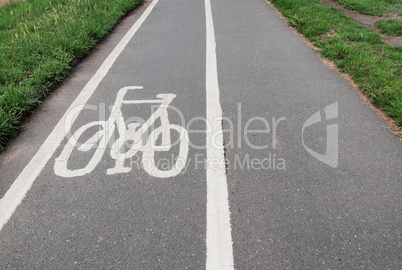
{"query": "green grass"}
[(371, 7), (390, 27), (39, 41), (358, 51)]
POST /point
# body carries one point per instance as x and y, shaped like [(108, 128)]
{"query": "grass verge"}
[(390, 27), (356, 50), (39, 42), (371, 7)]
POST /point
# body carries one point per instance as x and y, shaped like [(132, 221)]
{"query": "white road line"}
[(23, 183), (219, 237)]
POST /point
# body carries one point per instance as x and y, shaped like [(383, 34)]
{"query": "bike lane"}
[(299, 213), (133, 219), (313, 173)]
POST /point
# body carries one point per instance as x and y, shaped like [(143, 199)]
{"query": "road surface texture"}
[(202, 134)]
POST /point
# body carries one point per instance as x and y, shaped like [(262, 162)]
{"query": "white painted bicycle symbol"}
[(131, 134)]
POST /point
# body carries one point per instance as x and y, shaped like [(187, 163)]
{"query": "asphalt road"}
[(203, 135)]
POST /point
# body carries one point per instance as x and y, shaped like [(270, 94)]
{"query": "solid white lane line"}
[(219, 237), (24, 181)]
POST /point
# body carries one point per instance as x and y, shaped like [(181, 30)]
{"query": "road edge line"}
[(23, 183)]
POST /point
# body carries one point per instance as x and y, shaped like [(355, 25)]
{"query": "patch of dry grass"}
[(3, 2)]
